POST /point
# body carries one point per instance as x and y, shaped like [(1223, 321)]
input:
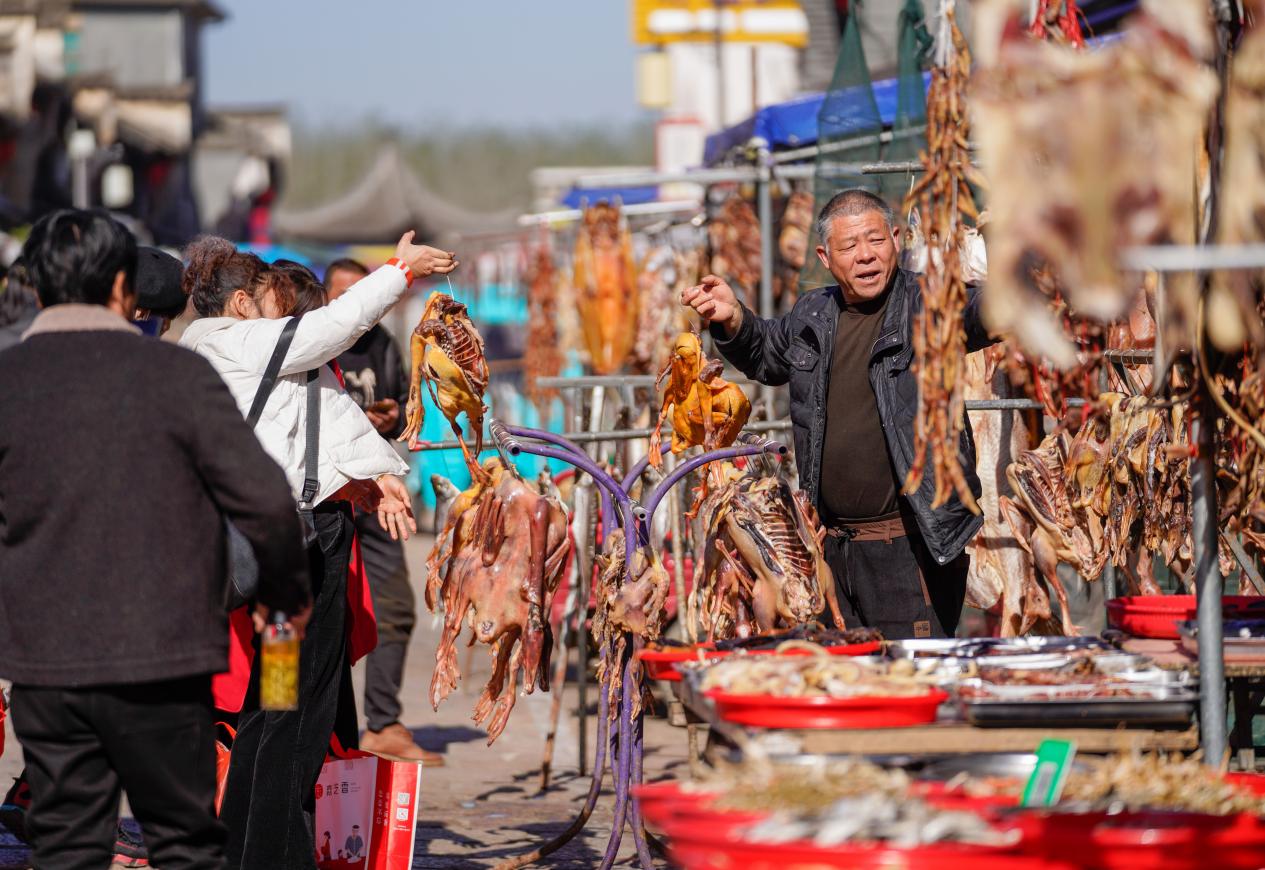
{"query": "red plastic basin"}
[(770, 711), (1145, 841), (1157, 616), (695, 849)]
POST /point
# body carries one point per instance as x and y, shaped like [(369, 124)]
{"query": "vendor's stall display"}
[(606, 287), (763, 569), (946, 209), (1117, 488), (660, 657), (499, 572), (816, 691), (705, 410), (447, 355)]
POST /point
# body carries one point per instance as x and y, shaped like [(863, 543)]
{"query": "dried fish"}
[(945, 204)]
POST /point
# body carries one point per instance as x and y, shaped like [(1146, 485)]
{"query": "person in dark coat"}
[(377, 380), (845, 351), (18, 305), (113, 498)]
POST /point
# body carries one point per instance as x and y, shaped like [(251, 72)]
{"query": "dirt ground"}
[(485, 804)]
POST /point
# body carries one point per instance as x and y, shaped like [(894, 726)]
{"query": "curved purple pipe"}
[(712, 456), (623, 766), (638, 733), (608, 515), (640, 468)]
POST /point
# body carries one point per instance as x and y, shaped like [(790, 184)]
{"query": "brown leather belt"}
[(878, 530)]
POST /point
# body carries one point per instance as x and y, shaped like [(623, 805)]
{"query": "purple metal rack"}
[(635, 520)]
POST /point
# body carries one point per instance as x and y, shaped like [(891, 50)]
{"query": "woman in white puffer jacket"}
[(269, 802)]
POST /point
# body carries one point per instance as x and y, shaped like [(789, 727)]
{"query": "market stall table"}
[(941, 738)]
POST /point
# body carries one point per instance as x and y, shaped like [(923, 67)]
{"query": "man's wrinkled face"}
[(860, 252)]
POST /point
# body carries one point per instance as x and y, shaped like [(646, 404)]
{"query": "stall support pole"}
[(764, 206), (585, 566), (1212, 704)]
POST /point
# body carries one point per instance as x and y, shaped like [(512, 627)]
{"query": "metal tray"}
[(1156, 708), (974, 647)]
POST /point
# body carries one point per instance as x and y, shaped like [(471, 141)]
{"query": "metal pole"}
[(1212, 706), (585, 568), (764, 206)]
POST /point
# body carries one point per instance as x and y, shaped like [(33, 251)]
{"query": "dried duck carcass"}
[(706, 410), (763, 567), (447, 355), (495, 567), (606, 287)]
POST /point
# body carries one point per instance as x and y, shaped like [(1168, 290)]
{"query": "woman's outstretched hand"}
[(395, 510), (423, 259)]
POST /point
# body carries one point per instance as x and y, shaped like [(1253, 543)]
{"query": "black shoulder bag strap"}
[(310, 483), (272, 370)]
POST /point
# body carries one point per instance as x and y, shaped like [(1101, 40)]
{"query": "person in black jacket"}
[(376, 379), (112, 556), (845, 350)]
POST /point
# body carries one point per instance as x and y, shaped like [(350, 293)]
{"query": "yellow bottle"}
[(279, 666)]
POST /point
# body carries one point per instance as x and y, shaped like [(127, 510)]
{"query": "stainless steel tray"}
[(973, 647), (1153, 708)]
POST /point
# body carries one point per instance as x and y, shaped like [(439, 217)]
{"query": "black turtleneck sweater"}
[(857, 481)]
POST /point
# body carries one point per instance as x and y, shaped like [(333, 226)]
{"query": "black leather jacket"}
[(796, 349)]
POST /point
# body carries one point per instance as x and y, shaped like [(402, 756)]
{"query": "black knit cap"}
[(158, 283)]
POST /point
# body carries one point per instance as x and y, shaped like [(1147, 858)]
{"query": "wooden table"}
[(938, 739)]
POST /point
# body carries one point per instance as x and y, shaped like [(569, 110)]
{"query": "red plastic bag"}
[(366, 811)]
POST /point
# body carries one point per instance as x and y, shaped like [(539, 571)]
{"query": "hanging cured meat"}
[(606, 287), (734, 234), (763, 567), (706, 410), (945, 205), (495, 567), (447, 355), (542, 358), (1089, 153)]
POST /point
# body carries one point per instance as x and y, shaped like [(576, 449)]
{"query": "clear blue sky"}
[(413, 63)]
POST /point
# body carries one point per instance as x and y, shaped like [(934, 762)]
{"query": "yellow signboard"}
[(656, 22)]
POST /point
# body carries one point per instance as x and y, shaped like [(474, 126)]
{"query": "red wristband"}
[(403, 267)]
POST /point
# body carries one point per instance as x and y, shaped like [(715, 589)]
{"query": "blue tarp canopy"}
[(794, 123), (626, 195)]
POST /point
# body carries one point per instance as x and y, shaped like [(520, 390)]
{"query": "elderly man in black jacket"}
[(845, 350), (112, 556)]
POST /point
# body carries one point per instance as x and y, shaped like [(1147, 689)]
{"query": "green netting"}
[(914, 46), (848, 128)]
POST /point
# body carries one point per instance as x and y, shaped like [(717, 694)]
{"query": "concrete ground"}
[(485, 804)]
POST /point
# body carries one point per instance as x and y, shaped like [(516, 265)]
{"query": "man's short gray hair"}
[(850, 203)]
